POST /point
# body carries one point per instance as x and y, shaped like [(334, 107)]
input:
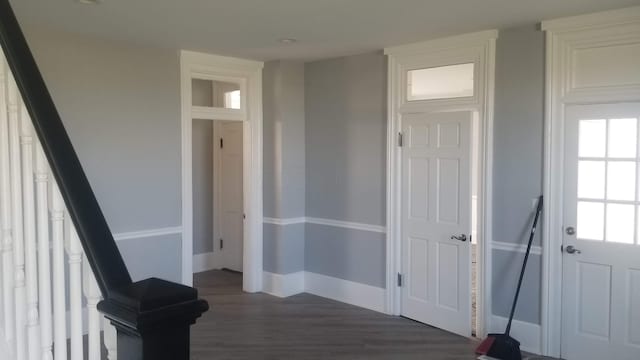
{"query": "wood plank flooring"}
[(260, 326)]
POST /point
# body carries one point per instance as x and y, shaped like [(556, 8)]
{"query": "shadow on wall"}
[(506, 271), (345, 110)]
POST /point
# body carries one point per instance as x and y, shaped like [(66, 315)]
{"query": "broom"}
[(503, 346)]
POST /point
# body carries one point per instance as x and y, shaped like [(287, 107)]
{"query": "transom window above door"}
[(216, 94), (442, 82), (608, 207)]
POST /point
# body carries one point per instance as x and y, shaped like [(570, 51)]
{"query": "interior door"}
[(601, 244), (231, 199), (436, 219)]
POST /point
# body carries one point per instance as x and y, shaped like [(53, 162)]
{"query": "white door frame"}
[(478, 48), (566, 39), (248, 74)]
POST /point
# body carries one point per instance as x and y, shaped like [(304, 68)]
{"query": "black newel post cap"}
[(152, 304)]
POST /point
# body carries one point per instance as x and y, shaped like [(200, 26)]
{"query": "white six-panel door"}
[(436, 186), (601, 257), (231, 198)]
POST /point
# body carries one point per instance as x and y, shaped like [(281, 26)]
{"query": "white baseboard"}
[(527, 333), (204, 262), (353, 293), (283, 285), (366, 296)]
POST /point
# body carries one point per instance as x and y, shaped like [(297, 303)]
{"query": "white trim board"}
[(521, 248), (478, 48), (283, 285), (204, 262), (327, 222), (5, 350), (347, 225), (527, 333), (148, 233), (284, 221), (248, 74), (348, 292)]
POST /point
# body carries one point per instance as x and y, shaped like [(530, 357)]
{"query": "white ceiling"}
[(324, 28)]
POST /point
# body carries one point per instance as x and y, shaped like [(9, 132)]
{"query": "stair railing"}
[(48, 216)]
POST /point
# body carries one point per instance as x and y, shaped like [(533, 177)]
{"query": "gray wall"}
[(120, 104), (345, 107), (348, 254), (284, 164), (517, 177), (284, 248), (202, 171)]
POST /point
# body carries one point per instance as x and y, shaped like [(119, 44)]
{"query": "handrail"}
[(152, 316), (96, 238)]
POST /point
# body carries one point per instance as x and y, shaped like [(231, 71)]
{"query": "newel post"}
[(153, 319)]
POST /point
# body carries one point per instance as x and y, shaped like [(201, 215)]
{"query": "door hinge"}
[(221, 143), (400, 139), (221, 243), (399, 280)]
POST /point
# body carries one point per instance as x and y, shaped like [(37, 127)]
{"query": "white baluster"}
[(5, 213), (16, 210), (110, 340), (75, 292), (44, 262), (59, 300), (30, 255), (92, 294)]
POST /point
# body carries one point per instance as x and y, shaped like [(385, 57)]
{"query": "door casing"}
[(248, 74), (477, 48), (567, 38)]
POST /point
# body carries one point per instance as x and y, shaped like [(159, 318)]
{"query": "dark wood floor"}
[(260, 326)]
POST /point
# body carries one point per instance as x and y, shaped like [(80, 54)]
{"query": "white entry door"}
[(601, 245), (231, 200), (436, 219)]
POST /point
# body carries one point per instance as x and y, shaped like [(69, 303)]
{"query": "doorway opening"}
[(218, 208), (439, 182), (475, 180), (227, 92)]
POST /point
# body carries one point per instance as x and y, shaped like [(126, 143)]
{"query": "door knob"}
[(570, 230), (462, 237), (572, 250)]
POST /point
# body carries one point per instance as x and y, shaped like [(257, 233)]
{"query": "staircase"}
[(63, 277)]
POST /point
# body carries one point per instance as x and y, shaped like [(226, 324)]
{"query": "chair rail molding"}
[(328, 222), (570, 43), (138, 234)]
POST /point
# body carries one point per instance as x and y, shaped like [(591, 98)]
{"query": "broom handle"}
[(524, 265)]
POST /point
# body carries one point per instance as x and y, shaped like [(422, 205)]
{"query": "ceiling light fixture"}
[(287, 41), (89, 2)]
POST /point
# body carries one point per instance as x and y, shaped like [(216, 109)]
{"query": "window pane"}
[(214, 93), (590, 220), (591, 179), (592, 138), (621, 180), (620, 223), (622, 138), (442, 82)]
